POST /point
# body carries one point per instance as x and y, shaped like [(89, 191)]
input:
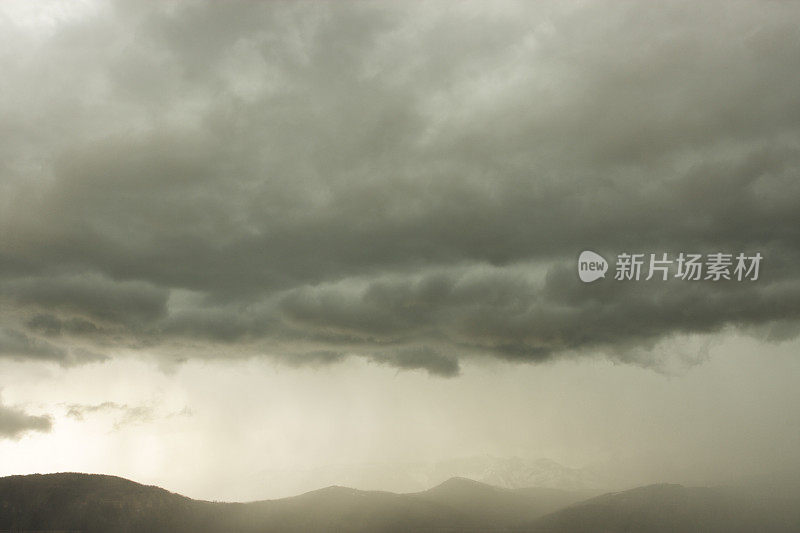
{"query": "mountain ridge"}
[(97, 503), (508, 472)]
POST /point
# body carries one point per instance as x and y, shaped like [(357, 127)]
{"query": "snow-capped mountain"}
[(516, 472)]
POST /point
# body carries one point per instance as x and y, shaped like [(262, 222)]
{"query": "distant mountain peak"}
[(460, 480), (334, 490), (462, 483), (517, 472)]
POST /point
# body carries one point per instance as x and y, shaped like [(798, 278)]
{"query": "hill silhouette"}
[(669, 508), (103, 504), (91, 503), (500, 507), (98, 503)]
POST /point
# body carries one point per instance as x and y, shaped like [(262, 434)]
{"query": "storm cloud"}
[(15, 422), (410, 184)]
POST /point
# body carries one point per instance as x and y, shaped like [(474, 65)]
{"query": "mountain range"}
[(506, 472), (98, 504)]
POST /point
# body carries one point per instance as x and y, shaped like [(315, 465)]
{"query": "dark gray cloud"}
[(17, 344), (411, 184), (15, 422), (127, 302), (421, 357)]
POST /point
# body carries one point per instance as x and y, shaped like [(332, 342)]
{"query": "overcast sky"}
[(259, 235)]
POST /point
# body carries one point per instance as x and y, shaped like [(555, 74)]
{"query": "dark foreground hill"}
[(670, 508), (100, 504)]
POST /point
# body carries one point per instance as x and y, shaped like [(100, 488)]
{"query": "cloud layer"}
[(411, 184)]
